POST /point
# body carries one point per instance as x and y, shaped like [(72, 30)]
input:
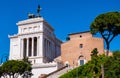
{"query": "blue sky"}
[(65, 16)]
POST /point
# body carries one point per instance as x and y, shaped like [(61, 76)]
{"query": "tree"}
[(94, 53), (25, 59), (92, 69), (0, 72), (15, 68), (108, 25), (112, 66)]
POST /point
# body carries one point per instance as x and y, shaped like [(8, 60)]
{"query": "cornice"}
[(22, 34), (30, 33), (44, 22), (30, 21), (44, 65), (13, 36)]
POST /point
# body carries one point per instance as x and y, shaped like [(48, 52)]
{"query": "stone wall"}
[(80, 45)]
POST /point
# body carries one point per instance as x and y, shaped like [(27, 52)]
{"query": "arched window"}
[(67, 63), (81, 60)]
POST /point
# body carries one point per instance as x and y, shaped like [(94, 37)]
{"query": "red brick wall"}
[(70, 50)]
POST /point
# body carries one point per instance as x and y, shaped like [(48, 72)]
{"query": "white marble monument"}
[(36, 40)]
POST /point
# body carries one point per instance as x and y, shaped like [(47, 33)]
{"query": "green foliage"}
[(106, 22), (93, 68), (68, 38), (108, 25), (90, 70), (25, 59), (112, 66), (13, 67), (74, 73), (0, 72), (94, 53)]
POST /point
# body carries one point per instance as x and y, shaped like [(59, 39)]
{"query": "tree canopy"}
[(108, 25), (15, 68), (94, 53), (112, 66)]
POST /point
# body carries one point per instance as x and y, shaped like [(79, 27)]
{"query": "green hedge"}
[(73, 73)]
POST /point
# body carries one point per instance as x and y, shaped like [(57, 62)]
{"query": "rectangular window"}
[(30, 29), (35, 28), (25, 29), (81, 45), (81, 62)]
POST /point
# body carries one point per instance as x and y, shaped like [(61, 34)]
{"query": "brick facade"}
[(79, 47)]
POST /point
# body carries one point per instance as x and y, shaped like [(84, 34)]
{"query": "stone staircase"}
[(57, 73)]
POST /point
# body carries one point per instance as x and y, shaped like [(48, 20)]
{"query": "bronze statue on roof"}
[(33, 15)]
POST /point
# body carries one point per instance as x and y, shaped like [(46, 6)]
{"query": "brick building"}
[(76, 51)]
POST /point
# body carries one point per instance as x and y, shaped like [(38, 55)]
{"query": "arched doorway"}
[(67, 63), (81, 60)]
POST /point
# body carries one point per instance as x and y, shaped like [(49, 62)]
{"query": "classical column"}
[(44, 48), (48, 51), (27, 46), (53, 49), (33, 46), (47, 48), (21, 48), (52, 54), (46, 56)]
